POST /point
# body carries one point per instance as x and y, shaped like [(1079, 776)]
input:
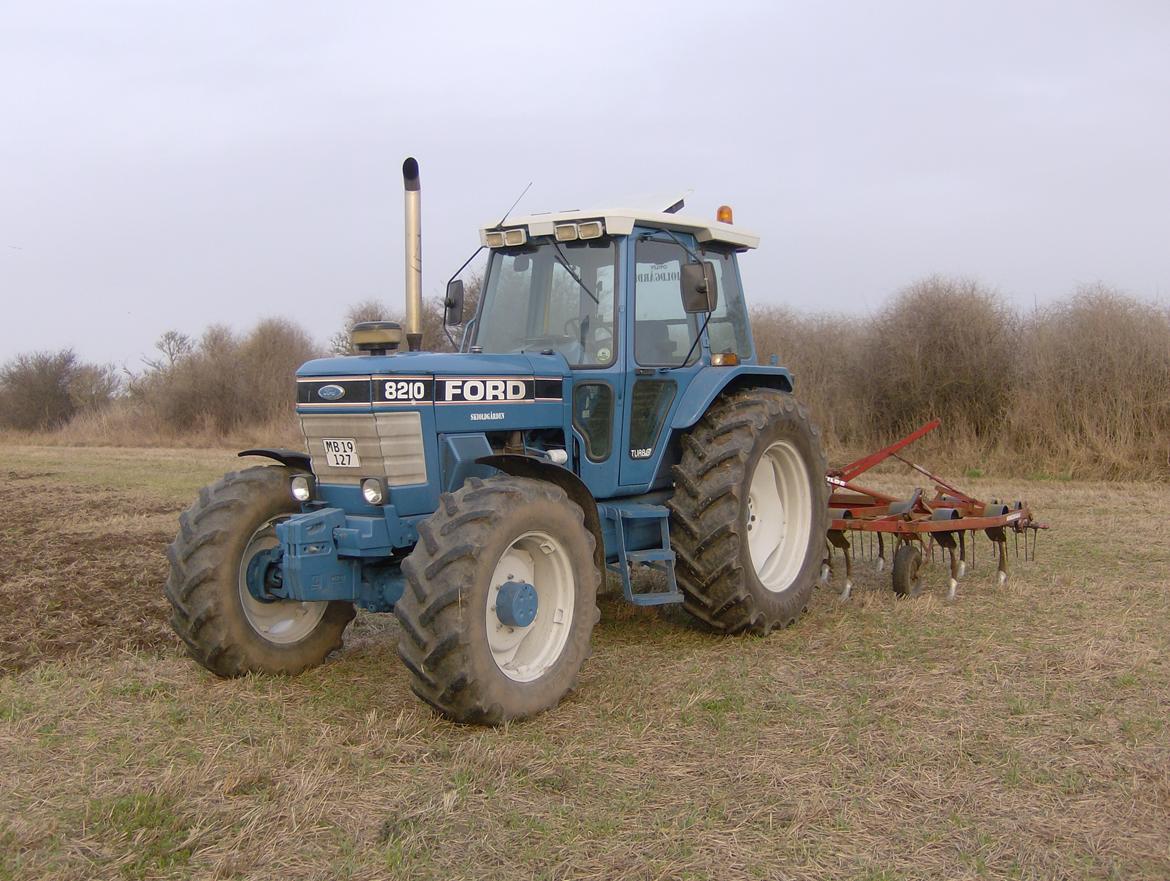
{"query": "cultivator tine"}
[(948, 547), (881, 560), (847, 591), (962, 553), (953, 584), (838, 539)]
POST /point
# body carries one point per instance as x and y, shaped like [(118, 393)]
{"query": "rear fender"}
[(711, 382)]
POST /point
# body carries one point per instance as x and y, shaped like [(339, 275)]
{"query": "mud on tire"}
[(204, 585), (710, 511), (445, 612)]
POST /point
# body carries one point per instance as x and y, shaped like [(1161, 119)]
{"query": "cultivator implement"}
[(861, 518)]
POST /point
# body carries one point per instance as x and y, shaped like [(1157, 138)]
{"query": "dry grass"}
[(1017, 733)]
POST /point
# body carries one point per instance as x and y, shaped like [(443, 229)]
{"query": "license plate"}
[(341, 452)]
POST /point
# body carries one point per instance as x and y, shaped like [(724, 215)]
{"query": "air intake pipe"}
[(413, 196)]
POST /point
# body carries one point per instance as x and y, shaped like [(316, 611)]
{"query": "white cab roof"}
[(621, 222)]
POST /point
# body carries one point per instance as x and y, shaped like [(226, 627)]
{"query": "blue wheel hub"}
[(264, 576), (516, 603)]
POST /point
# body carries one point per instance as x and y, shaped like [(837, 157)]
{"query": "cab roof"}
[(621, 222)]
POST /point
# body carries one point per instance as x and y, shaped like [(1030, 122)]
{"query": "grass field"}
[(1020, 732)]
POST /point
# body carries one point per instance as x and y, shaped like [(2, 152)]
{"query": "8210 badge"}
[(403, 389)]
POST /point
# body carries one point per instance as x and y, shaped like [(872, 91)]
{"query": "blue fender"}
[(290, 458), (711, 382)]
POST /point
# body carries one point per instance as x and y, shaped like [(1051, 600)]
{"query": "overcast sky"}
[(175, 164)]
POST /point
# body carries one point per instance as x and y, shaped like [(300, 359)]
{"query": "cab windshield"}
[(551, 296)]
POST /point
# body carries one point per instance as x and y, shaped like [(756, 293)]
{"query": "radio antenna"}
[(514, 204)]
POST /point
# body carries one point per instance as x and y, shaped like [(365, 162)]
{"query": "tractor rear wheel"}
[(749, 512), (500, 602), (225, 628)]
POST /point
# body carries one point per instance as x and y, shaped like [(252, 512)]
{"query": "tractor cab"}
[(623, 297)]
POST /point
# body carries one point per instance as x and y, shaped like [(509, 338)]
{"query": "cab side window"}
[(663, 332), (728, 329)]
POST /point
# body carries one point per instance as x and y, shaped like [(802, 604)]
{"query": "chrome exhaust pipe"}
[(413, 195)]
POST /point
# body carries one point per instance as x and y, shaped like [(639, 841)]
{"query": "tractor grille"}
[(390, 445)]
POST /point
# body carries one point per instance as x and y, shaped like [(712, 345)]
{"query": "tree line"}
[(1078, 388)]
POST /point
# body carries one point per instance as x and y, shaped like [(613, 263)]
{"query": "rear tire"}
[(224, 628), (463, 659), (750, 485)]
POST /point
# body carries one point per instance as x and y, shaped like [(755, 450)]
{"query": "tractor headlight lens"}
[(513, 237), (591, 229), (302, 490), (372, 491), (494, 239)]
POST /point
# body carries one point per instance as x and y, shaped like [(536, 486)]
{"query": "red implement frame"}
[(950, 512)]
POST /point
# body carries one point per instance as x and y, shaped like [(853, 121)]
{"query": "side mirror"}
[(700, 287), (453, 305)]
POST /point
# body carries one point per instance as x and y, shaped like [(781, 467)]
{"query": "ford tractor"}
[(606, 410)]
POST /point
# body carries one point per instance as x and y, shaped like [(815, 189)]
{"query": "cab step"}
[(623, 518)]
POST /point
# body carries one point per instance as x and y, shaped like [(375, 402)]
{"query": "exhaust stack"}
[(413, 195)]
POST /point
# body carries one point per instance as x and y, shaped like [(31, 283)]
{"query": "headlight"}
[(302, 490), (372, 491)]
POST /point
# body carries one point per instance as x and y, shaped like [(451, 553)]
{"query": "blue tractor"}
[(606, 410)]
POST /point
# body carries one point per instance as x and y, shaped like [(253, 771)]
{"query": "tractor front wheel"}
[(750, 512), (500, 602), (225, 628)]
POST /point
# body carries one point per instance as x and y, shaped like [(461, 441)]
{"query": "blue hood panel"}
[(438, 364)]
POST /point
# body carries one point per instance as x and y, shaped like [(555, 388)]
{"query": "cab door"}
[(664, 352), (593, 317)]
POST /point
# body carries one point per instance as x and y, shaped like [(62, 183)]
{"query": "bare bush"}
[(1094, 394), (41, 391), (942, 348), (225, 382)]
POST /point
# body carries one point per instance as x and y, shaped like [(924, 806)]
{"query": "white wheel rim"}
[(779, 516), (526, 653), (281, 621)]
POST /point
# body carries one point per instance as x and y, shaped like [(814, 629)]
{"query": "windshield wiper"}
[(564, 261)]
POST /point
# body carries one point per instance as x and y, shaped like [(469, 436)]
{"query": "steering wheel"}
[(550, 340)]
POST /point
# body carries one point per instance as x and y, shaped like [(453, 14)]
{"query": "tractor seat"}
[(652, 343)]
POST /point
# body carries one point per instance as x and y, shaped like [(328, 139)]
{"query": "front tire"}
[(224, 627), (467, 658), (750, 512)]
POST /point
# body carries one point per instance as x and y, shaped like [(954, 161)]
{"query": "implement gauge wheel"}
[(750, 512), (907, 563), (500, 602), (225, 628)]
